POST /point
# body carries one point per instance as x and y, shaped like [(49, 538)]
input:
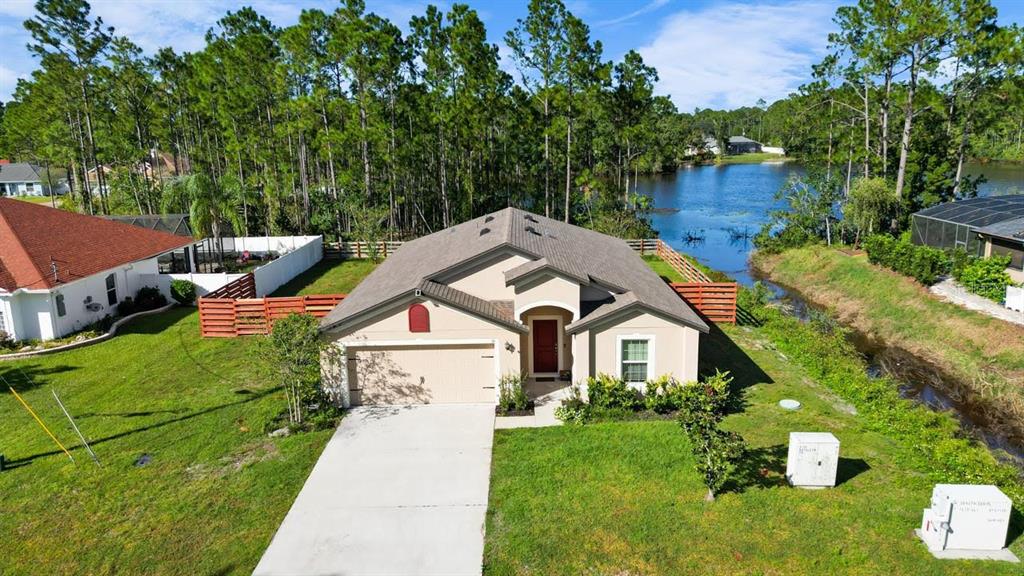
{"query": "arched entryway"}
[(547, 348)]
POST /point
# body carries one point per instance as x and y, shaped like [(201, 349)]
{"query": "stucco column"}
[(334, 373), (581, 358)]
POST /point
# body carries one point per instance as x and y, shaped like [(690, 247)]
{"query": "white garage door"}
[(421, 374)]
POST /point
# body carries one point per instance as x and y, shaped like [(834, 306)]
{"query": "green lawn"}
[(328, 277), (214, 491), (986, 354), (623, 497), (36, 199), (753, 158)]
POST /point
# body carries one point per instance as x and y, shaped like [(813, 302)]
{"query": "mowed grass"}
[(985, 353), (37, 199), (328, 277), (624, 498), (216, 486)]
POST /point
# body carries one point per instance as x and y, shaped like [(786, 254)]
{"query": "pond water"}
[(712, 212)]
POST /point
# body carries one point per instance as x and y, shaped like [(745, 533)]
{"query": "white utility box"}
[(813, 459), (966, 517)]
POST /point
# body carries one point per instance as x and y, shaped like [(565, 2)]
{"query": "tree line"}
[(343, 124), (342, 121)]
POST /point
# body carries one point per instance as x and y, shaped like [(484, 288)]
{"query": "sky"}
[(708, 53)]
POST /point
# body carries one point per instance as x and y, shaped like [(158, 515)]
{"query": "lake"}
[(722, 207)]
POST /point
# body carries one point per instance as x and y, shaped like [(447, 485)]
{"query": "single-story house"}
[(62, 271), (742, 145), (24, 179), (447, 315), (982, 226)]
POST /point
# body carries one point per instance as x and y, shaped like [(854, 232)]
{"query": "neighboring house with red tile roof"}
[(62, 271)]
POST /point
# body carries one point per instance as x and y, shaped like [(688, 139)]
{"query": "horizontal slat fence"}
[(688, 271), (244, 287), (715, 300), (231, 317), (341, 250)]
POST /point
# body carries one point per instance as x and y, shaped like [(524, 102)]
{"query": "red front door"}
[(545, 346)]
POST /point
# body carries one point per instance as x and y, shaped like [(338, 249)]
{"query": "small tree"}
[(871, 201), (715, 451), (291, 354)]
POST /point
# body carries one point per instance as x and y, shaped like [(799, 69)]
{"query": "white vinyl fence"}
[(296, 254)]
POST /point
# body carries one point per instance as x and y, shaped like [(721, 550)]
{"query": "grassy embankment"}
[(985, 354), (216, 487), (752, 158)]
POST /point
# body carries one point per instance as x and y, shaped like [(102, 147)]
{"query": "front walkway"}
[(397, 490), (951, 291), (546, 397)]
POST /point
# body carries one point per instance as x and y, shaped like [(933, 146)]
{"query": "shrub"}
[(573, 409), (183, 292), (126, 307), (511, 394), (607, 391), (6, 342), (985, 276), (715, 451), (149, 298), (664, 395), (922, 263), (291, 355)]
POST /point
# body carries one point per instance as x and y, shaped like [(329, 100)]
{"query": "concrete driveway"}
[(397, 491)]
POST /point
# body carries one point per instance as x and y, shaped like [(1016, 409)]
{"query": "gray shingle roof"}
[(20, 172), (492, 311), (573, 251), (740, 140), (1008, 229)]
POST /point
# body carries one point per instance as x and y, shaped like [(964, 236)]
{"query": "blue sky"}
[(709, 53)]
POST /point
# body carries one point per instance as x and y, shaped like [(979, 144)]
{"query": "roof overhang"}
[(592, 320)]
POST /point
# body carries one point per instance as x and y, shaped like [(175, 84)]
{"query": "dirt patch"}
[(246, 456)]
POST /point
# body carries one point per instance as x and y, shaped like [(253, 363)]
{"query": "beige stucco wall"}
[(675, 347), (447, 326), (565, 357), (487, 279), (546, 290)]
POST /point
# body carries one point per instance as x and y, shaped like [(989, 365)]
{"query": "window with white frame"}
[(30, 187), (635, 358), (111, 290), (3, 326)]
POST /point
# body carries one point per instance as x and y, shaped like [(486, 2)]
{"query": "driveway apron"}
[(398, 490)]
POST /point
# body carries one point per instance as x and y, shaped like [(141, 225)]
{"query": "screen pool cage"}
[(955, 224)]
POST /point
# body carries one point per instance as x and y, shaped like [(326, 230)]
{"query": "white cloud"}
[(645, 9), (730, 55), (9, 79)]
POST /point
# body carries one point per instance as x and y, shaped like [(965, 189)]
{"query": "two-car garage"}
[(422, 373)]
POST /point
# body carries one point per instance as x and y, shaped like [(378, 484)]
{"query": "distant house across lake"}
[(742, 145)]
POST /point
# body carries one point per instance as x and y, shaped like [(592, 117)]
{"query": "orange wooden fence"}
[(244, 287), (231, 317), (687, 270), (715, 300)]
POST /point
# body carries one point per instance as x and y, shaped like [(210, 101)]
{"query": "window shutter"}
[(419, 318)]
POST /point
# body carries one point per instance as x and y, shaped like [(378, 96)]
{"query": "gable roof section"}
[(20, 172), (32, 236), (1012, 230), (575, 252), (468, 302)]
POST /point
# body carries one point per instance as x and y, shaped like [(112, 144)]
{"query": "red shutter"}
[(419, 318)]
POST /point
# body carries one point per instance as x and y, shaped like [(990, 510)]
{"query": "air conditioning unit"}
[(94, 306), (966, 517), (813, 459)]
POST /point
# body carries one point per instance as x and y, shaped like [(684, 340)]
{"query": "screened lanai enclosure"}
[(956, 224)]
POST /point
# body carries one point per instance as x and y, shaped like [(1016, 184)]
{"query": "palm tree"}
[(210, 206)]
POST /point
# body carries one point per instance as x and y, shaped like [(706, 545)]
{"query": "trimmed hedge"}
[(922, 263)]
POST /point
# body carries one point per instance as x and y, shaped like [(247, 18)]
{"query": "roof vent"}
[(484, 231), (533, 230), (531, 218), (488, 219)]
